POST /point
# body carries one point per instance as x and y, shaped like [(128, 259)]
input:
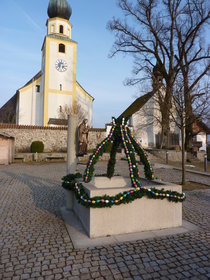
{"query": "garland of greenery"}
[(130, 146), (148, 170), (70, 183), (100, 149), (119, 133)]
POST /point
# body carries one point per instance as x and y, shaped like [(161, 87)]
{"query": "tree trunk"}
[(183, 156), (188, 114), (166, 114)]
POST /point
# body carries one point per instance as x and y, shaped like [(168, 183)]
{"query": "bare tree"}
[(167, 32), (147, 33), (179, 114), (192, 57)]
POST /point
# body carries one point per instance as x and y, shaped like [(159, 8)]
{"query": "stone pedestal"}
[(69, 197), (141, 215)]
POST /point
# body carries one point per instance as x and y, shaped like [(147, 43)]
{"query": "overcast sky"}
[(22, 29)]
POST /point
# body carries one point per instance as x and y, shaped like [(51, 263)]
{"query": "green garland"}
[(148, 171), (70, 183), (119, 133), (100, 149), (116, 143), (116, 136)]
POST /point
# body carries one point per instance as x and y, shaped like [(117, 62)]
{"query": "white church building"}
[(145, 119), (41, 101)]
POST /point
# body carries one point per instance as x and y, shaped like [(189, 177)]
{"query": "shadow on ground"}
[(47, 194)]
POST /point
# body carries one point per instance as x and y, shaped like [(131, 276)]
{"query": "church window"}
[(61, 87), (62, 48), (61, 29), (37, 88)]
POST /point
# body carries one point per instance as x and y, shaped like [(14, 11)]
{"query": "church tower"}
[(53, 93), (58, 62)]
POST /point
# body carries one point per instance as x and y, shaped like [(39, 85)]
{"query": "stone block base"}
[(141, 215)]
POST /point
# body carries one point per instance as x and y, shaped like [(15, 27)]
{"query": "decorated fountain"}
[(110, 205)]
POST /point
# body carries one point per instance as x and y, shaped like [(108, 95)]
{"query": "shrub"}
[(37, 147), (208, 153)]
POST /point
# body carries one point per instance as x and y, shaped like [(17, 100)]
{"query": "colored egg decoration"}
[(131, 148)]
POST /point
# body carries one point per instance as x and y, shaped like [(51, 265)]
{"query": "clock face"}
[(61, 65)]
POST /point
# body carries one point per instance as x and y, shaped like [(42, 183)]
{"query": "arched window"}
[(62, 48), (61, 29)]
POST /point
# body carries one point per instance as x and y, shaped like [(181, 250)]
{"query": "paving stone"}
[(34, 243), (95, 274)]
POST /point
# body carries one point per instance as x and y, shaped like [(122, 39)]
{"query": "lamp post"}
[(167, 157), (205, 163)]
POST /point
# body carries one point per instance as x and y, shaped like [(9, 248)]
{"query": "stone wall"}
[(54, 138), (96, 135), (200, 155), (172, 155)]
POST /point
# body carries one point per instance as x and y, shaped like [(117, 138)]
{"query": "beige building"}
[(7, 147)]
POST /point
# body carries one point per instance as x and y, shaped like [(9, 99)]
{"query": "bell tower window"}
[(62, 48), (61, 29)]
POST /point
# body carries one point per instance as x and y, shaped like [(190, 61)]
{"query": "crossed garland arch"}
[(120, 133)]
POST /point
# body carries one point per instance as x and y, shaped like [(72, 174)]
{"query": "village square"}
[(107, 187)]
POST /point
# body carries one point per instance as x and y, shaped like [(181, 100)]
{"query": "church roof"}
[(200, 126), (85, 91), (8, 110), (36, 77), (64, 38), (53, 121), (137, 104), (59, 8)]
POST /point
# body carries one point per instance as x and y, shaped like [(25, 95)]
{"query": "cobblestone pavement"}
[(34, 243)]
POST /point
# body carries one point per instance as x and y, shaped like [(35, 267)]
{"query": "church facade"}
[(53, 92)]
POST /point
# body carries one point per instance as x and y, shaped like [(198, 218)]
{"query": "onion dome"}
[(59, 8)]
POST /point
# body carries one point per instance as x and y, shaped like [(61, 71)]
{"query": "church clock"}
[(61, 65)]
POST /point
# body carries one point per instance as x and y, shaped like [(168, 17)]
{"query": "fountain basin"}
[(141, 215)]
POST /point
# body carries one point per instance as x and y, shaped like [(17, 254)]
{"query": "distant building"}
[(145, 118), (201, 132), (42, 100)]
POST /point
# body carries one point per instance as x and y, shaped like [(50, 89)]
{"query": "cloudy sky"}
[(22, 28)]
